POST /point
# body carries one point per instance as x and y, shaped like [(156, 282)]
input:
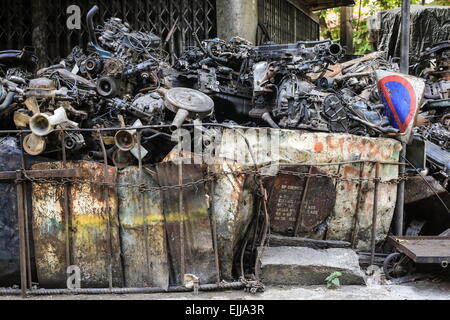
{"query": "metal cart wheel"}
[(397, 265)]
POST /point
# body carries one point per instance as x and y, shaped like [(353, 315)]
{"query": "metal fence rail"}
[(69, 176), (47, 19), (286, 23)]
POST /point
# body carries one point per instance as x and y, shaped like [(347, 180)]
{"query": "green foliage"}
[(361, 43), (332, 280)]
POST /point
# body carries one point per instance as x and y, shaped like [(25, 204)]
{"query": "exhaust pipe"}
[(121, 159), (42, 124)]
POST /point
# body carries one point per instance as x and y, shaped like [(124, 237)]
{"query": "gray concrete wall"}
[(237, 18)]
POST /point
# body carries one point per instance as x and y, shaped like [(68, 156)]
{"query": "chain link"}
[(210, 176)]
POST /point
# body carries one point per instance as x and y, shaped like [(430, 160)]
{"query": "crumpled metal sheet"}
[(352, 216), (89, 228), (189, 233), (232, 209), (142, 232), (231, 205)]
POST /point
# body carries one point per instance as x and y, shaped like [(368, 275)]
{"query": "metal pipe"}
[(25, 204), (107, 209), (203, 287), (90, 24), (400, 202), (267, 118), (404, 46), (8, 100), (375, 212), (22, 239), (404, 68), (180, 116)]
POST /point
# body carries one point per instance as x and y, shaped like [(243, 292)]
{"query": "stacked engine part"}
[(124, 80), (114, 83), (288, 86), (434, 119)]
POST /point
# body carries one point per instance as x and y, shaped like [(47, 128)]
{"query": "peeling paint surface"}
[(232, 209), (145, 259), (88, 219), (352, 215), (189, 233)]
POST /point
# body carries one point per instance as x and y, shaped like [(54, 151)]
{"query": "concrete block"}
[(307, 266)]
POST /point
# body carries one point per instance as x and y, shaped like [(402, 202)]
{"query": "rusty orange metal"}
[(93, 243), (298, 205)]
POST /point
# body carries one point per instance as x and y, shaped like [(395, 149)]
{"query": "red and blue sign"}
[(399, 99)]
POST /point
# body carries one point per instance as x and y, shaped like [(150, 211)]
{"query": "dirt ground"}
[(421, 290)]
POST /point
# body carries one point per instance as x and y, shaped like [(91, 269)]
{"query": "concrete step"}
[(307, 266)]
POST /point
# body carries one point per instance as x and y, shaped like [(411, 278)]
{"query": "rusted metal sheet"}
[(187, 223), (232, 207), (145, 259), (417, 189), (423, 249), (298, 205), (9, 236), (94, 239), (352, 216)]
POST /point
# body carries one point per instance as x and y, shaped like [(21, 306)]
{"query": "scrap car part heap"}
[(119, 101), (124, 80)]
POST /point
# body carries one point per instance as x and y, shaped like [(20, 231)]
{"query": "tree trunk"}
[(346, 31)]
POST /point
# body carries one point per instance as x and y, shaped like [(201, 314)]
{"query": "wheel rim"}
[(397, 265)]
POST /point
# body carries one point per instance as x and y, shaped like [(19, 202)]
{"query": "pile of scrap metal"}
[(91, 103), (293, 86), (124, 80), (434, 117)]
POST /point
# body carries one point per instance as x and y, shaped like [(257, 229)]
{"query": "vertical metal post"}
[(374, 214), (22, 236), (108, 216), (400, 195), (214, 232), (142, 202), (404, 68), (182, 214), (358, 200), (67, 221), (27, 232), (404, 46)]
